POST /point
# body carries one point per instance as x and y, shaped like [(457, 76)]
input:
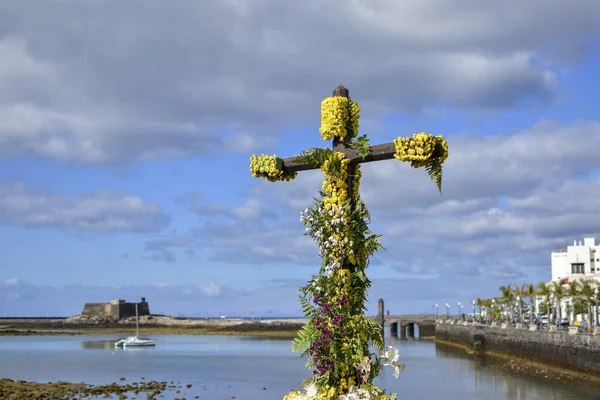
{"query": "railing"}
[(572, 329)]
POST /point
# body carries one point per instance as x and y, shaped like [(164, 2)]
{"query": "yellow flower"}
[(335, 112), (269, 167), (421, 149)]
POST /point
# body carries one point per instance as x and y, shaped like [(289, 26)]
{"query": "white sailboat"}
[(136, 340)]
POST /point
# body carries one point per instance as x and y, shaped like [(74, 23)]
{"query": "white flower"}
[(311, 390), (391, 355), (397, 369)]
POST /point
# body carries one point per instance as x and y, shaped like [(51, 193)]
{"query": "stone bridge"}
[(403, 326)]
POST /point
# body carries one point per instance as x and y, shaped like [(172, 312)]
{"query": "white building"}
[(574, 263), (582, 258)]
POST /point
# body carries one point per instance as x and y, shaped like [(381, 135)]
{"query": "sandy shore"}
[(149, 325)]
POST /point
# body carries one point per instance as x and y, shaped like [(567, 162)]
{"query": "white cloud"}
[(100, 212), (210, 289), (12, 282), (152, 86)]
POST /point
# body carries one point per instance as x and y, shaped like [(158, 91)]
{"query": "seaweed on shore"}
[(10, 389)]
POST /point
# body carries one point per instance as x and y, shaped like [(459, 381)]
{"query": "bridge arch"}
[(410, 327)]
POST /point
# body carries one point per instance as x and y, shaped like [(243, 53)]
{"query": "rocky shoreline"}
[(157, 325), (151, 390)]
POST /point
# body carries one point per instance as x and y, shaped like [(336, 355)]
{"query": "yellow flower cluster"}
[(343, 279), (337, 188), (421, 148), (334, 115), (270, 167), (354, 117), (337, 115), (327, 393)]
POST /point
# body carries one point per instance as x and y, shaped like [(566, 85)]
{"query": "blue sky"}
[(126, 129)]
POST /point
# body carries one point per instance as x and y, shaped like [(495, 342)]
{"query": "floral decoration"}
[(270, 167), (423, 150), (338, 338), (338, 115)]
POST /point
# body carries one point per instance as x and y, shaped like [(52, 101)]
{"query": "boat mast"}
[(137, 320)]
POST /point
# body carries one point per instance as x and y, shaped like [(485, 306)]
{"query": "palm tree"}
[(479, 303), (559, 293), (531, 293), (587, 293), (574, 293), (507, 297), (521, 292), (545, 291)]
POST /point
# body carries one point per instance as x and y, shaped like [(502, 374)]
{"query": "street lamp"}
[(447, 310), (436, 311), (519, 305), (459, 310), (493, 306), (596, 316), (473, 310)]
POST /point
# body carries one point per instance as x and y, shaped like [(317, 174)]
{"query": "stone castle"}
[(116, 309)]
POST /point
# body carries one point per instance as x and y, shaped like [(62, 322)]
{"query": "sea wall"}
[(577, 351)]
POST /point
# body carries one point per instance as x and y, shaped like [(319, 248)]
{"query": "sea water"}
[(226, 367)]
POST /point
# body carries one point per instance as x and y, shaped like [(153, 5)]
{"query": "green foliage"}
[(315, 157), (306, 336), (375, 333), (361, 144), (307, 308), (434, 170)]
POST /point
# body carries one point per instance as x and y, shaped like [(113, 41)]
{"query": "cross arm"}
[(377, 153)]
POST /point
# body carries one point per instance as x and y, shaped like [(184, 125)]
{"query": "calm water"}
[(221, 367)]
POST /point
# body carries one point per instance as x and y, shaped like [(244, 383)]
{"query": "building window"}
[(577, 268)]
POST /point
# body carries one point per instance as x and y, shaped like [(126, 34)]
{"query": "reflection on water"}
[(98, 344), (487, 376), (222, 367)]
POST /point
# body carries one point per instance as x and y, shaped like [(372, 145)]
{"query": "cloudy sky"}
[(126, 129)]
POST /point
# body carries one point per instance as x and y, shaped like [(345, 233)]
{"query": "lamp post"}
[(447, 310), (459, 310), (473, 310), (436, 311), (519, 305), (596, 298), (493, 307)]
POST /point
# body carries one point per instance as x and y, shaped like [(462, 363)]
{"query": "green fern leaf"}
[(306, 335), (315, 157), (434, 170), (374, 332)]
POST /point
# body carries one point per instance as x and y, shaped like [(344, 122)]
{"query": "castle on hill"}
[(116, 309)]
